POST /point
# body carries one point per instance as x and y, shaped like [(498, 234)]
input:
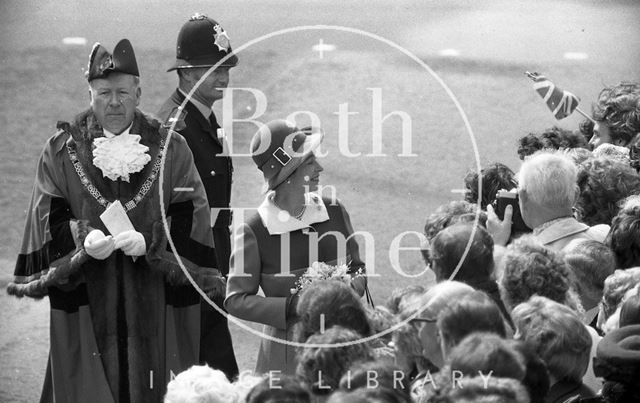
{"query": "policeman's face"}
[(210, 89), (114, 100)]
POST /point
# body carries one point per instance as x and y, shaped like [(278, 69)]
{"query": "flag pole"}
[(585, 115)]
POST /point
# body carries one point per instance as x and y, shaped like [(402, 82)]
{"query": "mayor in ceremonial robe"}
[(123, 314)]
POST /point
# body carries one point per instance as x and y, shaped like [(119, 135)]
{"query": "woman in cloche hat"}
[(292, 228)]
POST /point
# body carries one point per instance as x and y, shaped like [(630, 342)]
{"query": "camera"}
[(504, 199)]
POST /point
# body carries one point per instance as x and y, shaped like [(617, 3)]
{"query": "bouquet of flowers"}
[(323, 271)]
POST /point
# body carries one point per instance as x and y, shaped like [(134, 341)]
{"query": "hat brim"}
[(311, 143), (204, 62)]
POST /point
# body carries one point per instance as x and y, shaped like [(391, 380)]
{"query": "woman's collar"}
[(279, 222)]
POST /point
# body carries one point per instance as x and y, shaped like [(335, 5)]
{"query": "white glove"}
[(131, 243), (98, 246)]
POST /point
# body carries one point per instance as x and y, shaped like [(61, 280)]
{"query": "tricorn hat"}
[(102, 63), (202, 42), (279, 147)]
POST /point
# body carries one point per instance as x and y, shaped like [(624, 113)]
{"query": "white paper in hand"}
[(115, 218)]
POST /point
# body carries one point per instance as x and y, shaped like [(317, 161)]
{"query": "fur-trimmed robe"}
[(119, 327)]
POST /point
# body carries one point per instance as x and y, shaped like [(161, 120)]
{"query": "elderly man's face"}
[(114, 100)]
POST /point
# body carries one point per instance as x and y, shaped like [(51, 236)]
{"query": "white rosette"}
[(119, 156)]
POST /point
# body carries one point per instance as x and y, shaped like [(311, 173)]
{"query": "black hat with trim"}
[(202, 42), (618, 355), (102, 63), (279, 147)]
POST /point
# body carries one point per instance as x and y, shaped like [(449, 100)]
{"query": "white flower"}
[(119, 156)]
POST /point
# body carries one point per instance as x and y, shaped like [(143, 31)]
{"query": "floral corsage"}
[(322, 271), (119, 156)]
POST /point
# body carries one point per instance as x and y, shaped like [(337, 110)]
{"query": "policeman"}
[(202, 42)]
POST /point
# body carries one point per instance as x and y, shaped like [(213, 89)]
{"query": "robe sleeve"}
[(51, 236), (242, 300), (188, 218)]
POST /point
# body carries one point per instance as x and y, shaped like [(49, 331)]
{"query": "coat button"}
[(213, 173)]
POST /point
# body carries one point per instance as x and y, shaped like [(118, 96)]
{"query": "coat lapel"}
[(194, 115)]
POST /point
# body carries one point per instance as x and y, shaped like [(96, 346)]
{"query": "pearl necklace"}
[(297, 216)]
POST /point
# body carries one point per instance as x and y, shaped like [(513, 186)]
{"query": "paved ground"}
[(480, 48)]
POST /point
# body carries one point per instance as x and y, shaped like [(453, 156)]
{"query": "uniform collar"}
[(278, 221), (204, 109)]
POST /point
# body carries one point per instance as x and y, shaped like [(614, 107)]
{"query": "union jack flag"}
[(560, 103)]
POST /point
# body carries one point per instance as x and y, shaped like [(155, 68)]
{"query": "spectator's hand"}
[(99, 246), (131, 243), (499, 230)]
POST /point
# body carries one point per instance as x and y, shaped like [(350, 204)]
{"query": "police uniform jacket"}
[(214, 168)]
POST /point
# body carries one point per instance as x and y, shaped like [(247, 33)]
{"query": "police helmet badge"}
[(221, 38)]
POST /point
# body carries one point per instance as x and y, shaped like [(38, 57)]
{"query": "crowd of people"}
[(545, 313), (536, 299)]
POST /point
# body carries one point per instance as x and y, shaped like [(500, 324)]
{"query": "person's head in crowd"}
[(339, 304), (613, 321), (530, 268), (613, 152), (487, 353), (448, 248), (578, 155), (616, 287), (433, 302), (380, 319), (630, 309), (377, 374), (278, 388), (617, 115), (486, 390), (320, 368), (475, 312), (407, 345), (624, 236), (547, 188), (446, 215), (495, 177), (604, 183), (403, 297), (369, 395), (590, 262), (245, 383), (557, 335), (200, 383), (618, 362), (536, 378), (554, 138)]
